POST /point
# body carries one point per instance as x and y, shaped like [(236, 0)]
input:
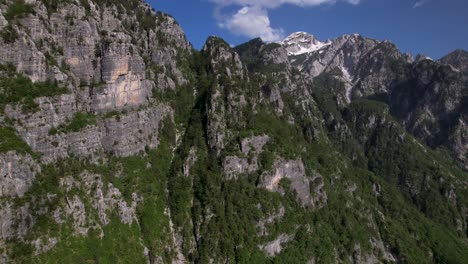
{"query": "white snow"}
[(311, 48), (301, 42)]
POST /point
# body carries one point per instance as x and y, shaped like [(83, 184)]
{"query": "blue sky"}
[(432, 27)]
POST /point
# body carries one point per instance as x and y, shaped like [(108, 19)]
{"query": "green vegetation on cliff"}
[(18, 89), (78, 122)]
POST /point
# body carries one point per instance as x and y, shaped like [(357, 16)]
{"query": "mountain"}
[(121, 143), (458, 59), (302, 42)]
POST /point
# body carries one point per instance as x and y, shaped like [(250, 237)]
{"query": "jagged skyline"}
[(120, 143), (432, 27)]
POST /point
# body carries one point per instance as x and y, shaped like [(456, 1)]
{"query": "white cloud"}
[(252, 22), (276, 3), (419, 3), (252, 19)]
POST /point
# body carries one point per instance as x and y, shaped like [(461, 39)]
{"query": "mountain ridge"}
[(121, 143)]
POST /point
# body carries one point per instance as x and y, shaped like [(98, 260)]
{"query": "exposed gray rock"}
[(234, 166), (216, 122), (3, 21), (116, 68), (15, 222), (344, 52), (459, 141), (276, 55), (383, 250), (109, 63), (123, 75), (123, 135), (132, 132), (251, 147), (17, 172), (273, 95), (24, 54), (378, 70), (76, 210), (268, 220), (294, 171), (275, 247), (93, 53), (42, 245), (457, 59), (190, 161), (363, 64), (254, 144), (104, 199), (220, 53)]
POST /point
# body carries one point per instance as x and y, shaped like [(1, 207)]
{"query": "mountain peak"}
[(302, 42), (458, 59), (421, 57)]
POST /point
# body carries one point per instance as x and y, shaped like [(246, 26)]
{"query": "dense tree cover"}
[(222, 215), (412, 173)]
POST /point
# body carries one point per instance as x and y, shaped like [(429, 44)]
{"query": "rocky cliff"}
[(121, 143)]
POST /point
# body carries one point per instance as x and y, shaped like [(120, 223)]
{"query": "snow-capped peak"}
[(302, 42), (422, 57)]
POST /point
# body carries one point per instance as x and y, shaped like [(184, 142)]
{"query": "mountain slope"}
[(120, 143)]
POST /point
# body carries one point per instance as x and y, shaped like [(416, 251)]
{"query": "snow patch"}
[(311, 48)]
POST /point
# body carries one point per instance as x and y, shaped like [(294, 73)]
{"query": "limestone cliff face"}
[(294, 172), (112, 57), (109, 60), (17, 173)]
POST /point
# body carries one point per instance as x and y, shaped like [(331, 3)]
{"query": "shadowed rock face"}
[(457, 59), (432, 105)]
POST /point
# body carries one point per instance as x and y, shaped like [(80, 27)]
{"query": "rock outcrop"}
[(251, 148), (300, 183), (17, 173), (275, 247)]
